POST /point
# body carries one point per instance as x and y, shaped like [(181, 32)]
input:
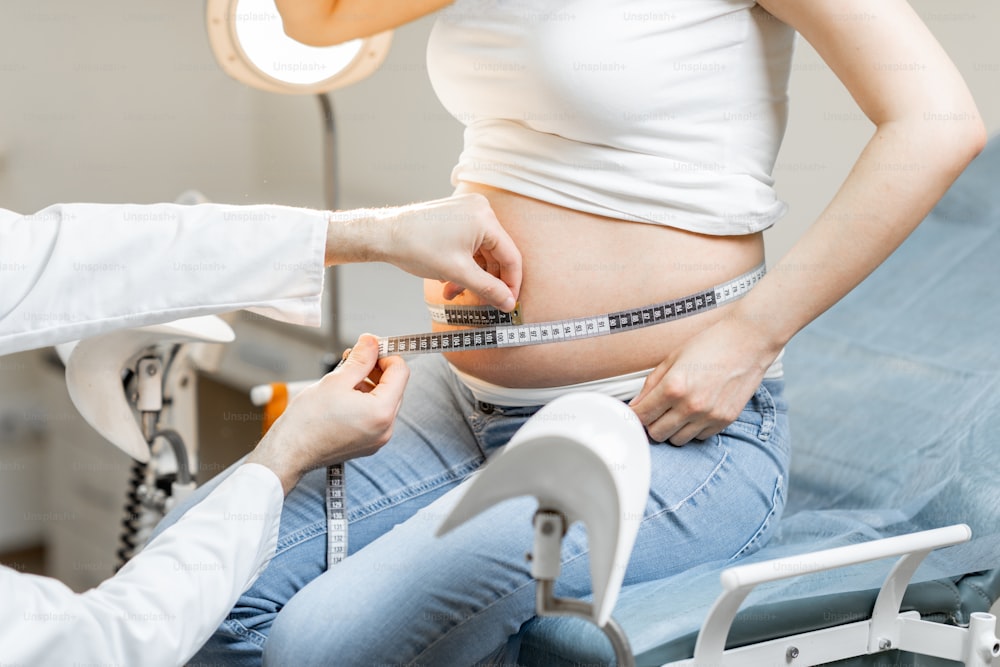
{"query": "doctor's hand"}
[(343, 416), (456, 240), (702, 387)]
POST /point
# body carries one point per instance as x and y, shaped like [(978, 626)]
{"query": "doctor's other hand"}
[(339, 418), (457, 240)]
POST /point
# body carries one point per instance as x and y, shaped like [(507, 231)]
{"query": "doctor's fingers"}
[(491, 289), (502, 257), (363, 370), (357, 362), (390, 378)]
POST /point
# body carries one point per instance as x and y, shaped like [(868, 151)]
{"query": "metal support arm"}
[(550, 527)]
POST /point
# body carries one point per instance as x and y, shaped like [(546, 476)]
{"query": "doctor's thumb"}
[(361, 361)]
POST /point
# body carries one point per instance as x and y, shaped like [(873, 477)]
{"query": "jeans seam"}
[(303, 534), (245, 633), (767, 412), (413, 491), (767, 409), (762, 528), (708, 479)]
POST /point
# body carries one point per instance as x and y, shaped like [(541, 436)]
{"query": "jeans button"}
[(486, 408)]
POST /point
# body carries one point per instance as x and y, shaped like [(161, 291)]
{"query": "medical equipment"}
[(136, 388), (250, 45), (585, 457), (583, 461)]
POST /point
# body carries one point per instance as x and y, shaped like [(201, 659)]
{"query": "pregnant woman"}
[(627, 147)]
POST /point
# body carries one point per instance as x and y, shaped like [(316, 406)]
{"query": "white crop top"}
[(668, 112)]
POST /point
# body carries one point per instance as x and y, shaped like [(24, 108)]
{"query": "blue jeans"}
[(403, 596)]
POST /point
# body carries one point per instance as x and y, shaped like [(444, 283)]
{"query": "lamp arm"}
[(331, 198), (331, 192)]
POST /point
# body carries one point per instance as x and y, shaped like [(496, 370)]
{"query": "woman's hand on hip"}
[(702, 386)]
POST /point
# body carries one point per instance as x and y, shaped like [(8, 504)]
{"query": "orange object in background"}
[(277, 405)]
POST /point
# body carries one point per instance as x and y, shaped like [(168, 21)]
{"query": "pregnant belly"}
[(578, 264)]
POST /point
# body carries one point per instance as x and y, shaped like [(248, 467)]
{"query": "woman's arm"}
[(325, 22), (927, 130)]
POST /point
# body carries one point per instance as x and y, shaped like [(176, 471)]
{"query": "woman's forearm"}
[(901, 174), (928, 130), (326, 22)]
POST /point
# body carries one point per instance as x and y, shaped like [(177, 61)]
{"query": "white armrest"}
[(748, 576), (737, 582)]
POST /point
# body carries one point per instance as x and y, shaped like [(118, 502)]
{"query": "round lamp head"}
[(250, 44)]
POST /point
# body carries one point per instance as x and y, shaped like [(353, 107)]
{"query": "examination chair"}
[(895, 416)]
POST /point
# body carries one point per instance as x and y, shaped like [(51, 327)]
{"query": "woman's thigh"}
[(409, 597)]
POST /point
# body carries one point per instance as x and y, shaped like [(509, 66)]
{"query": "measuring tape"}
[(336, 515), (497, 329)]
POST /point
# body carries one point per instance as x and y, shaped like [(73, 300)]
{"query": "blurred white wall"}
[(120, 100)]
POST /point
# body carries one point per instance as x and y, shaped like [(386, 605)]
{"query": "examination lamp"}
[(250, 44)]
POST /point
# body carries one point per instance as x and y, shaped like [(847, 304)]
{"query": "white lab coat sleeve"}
[(72, 271), (166, 602)]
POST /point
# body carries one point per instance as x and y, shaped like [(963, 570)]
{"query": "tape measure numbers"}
[(497, 329), (336, 515)]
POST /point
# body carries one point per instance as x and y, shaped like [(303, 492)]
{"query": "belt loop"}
[(765, 403)]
